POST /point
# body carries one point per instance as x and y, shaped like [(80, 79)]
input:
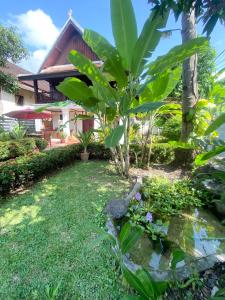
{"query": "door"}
[(88, 124)]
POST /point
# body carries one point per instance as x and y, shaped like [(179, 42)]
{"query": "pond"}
[(198, 233)]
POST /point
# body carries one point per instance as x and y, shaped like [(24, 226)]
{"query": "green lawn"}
[(50, 235)]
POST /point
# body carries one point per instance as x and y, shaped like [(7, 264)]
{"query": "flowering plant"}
[(141, 216)]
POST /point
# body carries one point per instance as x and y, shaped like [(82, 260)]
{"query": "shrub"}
[(14, 148), (161, 153), (166, 198), (18, 132), (41, 143), (18, 172), (98, 151), (172, 128)]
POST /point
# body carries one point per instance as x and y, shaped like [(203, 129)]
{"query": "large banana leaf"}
[(113, 139), (178, 54), (124, 28), (215, 124), (146, 107), (159, 88), (202, 158), (77, 90), (108, 54), (147, 41), (87, 67), (104, 93)]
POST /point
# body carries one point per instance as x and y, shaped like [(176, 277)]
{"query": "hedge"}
[(14, 148), (17, 172), (21, 170), (41, 143)]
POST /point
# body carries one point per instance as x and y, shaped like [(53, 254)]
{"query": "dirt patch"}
[(169, 172)]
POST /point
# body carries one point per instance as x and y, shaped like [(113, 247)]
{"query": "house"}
[(25, 95), (54, 69)]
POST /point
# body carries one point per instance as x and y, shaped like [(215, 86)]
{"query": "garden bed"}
[(178, 227)]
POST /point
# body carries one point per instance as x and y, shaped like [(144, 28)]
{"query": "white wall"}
[(8, 102)]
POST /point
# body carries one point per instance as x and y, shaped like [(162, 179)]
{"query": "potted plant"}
[(85, 138), (62, 137)]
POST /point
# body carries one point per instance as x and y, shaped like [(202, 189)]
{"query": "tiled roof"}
[(16, 70)]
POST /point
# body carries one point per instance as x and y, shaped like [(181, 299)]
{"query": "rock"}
[(220, 207), (214, 291), (117, 208)]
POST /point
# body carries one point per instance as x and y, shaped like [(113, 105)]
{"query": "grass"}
[(51, 237)]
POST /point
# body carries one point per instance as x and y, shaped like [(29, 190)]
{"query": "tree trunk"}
[(122, 163), (190, 85), (127, 147), (190, 91)]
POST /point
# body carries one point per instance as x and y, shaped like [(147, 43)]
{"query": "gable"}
[(69, 39)]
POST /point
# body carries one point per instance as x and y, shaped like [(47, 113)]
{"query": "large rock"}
[(117, 208)]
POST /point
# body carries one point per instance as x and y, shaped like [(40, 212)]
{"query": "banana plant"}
[(217, 94), (126, 84)]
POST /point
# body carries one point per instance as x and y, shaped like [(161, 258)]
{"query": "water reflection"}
[(190, 232)]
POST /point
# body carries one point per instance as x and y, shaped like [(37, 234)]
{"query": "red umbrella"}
[(29, 114)]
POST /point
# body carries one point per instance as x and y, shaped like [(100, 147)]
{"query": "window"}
[(20, 100)]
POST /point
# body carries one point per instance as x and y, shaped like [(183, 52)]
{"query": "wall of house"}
[(8, 101), (29, 98)]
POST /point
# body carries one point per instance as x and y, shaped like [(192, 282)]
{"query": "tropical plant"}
[(18, 132), (85, 139), (210, 12), (217, 95), (126, 84), (142, 282), (171, 129), (205, 70)]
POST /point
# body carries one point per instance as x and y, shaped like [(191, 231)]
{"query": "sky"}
[(39, 23)]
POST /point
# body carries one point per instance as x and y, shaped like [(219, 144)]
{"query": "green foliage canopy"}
[(11, 49)]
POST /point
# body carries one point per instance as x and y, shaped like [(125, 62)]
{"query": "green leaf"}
[(87, 67), (147, 41), (77, 90), (146, 107), (113, 139), (160, 287), (159, 88), (202, 158), (211, 23), (140, 283), (178, 256), (108, 54), (178, 54), (124, 29), (124, 105), (129, 235), (110, 113), (215, 124)]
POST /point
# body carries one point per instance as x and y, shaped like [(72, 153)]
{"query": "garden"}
[(135, 210)]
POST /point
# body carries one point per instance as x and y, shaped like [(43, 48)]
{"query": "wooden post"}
[(36, 91)]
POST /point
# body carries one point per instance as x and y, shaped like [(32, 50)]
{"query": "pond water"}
[(197, 233)]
